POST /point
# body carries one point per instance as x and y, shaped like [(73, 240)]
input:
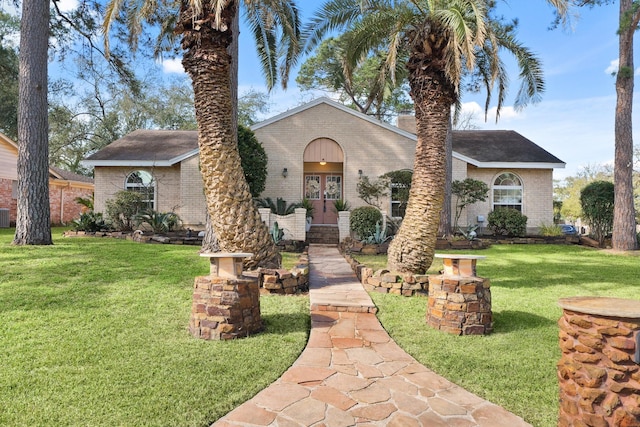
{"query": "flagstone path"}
[(352, 373)]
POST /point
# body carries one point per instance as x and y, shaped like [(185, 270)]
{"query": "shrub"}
[(596, 200), (280, 206), (507, 222), (253, 159), (550, 230), (467, 193), (89, 221), (363, 221), (340, 205), (160, 222), (122, 210)]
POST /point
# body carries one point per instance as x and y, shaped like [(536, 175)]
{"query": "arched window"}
[(507, 192), (143, 183)]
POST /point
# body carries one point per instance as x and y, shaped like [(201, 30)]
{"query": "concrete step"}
[(327, 235)]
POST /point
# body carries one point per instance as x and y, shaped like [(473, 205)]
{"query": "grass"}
[(515, 366), (94, 332)]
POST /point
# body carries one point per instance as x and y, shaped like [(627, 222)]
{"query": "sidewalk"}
[(352, 373)]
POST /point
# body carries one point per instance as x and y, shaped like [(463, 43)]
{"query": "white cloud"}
[(613, 67), (173, 65), (67, 5)]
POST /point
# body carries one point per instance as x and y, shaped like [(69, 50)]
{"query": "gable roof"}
[(481, 148), (65, 175), (147, 148), (55, 173), (500, 149)]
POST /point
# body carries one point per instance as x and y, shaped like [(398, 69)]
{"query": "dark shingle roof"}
[(149, 145), (70, 176), (490, 146)]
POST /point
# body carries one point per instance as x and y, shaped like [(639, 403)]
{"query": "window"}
[(312, 187), (143, 183), (333, 188), (399, 195), (507, 192)]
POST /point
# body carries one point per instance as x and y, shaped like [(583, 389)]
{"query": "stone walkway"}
[(353, 374)]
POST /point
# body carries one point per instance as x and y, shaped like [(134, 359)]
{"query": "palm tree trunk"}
[(412, 249), (624, 221), (234, 217), (33, 221)]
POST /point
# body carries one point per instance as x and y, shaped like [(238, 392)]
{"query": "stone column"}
[(459, 301), (226, 304), (599, 371)]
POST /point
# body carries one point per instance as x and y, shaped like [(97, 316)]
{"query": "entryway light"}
[(360, 173), (285, 172), (322, 162)]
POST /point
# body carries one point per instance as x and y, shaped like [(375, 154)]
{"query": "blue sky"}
[(575, 118)]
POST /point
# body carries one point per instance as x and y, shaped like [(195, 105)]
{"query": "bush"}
[(89, 221), (507, 222), (279, 207), (550, 230), (363, 221), (596, 200), (160, 222), (122, 210)]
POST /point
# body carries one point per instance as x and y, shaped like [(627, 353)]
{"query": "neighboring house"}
[(64, 187), (319, 151)]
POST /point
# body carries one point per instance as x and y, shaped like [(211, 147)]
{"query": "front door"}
[(322, 189)]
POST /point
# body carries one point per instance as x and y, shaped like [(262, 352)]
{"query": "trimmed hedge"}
[(363, 221)]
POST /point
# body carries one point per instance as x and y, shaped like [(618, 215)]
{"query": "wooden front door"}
[(322, 189)]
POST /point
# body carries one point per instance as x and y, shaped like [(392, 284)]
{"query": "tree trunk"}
[(234, 217), (444, 229), (413, 247), (624, 222), (33, 221), (210, 241)]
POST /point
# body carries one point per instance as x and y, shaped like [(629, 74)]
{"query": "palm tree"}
[(205, 28), (444, 41)]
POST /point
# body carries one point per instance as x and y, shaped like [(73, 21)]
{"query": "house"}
[(64, 188), (319, 151)]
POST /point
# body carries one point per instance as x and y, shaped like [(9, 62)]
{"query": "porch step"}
[(323, 234)]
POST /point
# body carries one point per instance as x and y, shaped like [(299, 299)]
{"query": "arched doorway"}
[(323, 178)]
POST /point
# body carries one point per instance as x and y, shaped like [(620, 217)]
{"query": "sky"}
[(575, 119)]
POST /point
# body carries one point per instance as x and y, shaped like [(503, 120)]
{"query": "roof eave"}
[(141, 163)]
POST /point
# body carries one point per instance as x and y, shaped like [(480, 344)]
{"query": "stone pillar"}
[(599, 371), (344, 228), (226, 304), (459, 301)]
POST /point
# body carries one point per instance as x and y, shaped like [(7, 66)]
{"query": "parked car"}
[(568, 230)]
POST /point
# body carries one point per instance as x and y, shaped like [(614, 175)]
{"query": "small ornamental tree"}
[(596, 200), (467, 192)]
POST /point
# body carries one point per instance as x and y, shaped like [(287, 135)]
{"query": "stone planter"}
[(599, 371)]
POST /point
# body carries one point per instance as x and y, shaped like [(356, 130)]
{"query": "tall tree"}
[(33, 220), (9, 26), (624, 215), (367, 87), (624, 218), (443, 40), (205, 29)]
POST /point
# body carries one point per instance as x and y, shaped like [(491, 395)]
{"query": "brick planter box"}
[(599, 371)]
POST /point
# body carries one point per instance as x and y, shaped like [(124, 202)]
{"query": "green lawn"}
[(516, 365), (93, 332)]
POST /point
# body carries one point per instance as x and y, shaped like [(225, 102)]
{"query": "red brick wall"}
[(64, 197), (59, 197), (6, 201)]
